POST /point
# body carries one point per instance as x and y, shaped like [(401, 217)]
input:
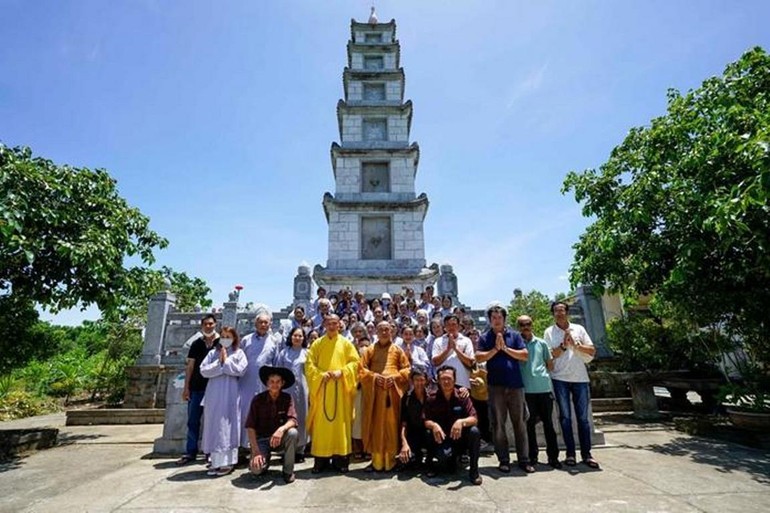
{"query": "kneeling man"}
[(272, 422), (452, 421)]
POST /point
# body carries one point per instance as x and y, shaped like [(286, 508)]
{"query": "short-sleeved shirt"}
[(570, 366), (446, 412), (266, 415), (534, 371), (198, 352), (503, 370), (464, 344)]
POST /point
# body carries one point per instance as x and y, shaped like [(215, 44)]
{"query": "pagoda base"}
[(375, 280)]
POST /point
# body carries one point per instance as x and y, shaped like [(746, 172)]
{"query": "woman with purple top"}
[(223, 365), (293, 357)]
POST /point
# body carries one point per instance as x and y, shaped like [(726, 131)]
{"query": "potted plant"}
[(746, 396), (663, 352)]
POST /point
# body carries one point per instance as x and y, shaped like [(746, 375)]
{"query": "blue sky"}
[(216, 118)]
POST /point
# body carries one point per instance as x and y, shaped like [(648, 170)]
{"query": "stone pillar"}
[(303, 287), (593, 315), (175, 421), (447, 282), (230, 311), (155, 331)]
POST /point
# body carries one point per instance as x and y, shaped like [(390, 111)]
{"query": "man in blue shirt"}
[(502, 349)]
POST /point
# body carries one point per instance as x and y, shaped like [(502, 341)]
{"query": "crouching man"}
[(272, 423), (452, 422)]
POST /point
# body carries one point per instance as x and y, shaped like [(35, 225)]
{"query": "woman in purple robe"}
[(223, 366), (293, 357)]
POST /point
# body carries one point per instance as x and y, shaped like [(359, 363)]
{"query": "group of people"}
[(424, 388)]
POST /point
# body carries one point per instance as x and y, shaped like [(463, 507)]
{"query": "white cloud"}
[(529, 85)]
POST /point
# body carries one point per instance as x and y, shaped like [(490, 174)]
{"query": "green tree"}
[(535, 304), (65, 234), (682, 207), (131, 305)]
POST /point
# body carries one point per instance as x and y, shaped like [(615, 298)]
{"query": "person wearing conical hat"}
[(272, 422)]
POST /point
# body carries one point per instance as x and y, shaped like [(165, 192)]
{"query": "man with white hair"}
[(261, 349), (324, 309)]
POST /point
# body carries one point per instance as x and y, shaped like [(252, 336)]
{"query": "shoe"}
[(430, 473), (223, 471), (570, 461), (526, 467), (288, 478), (319, 465), (341, 463), (505, 468), (475, 479), (591, 463), (555, 464), (211, 472), (184, 460)]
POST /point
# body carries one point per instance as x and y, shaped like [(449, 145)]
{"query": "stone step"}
[(18, 441), (115, 416), (605, 404)]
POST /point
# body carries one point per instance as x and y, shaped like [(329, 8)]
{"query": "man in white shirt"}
[(454, 349), (572, 349)]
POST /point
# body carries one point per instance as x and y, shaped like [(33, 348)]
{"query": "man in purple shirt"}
[(452, 422), (272, 422)]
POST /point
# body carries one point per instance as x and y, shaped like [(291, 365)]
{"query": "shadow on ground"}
[(11, 463), (723, 456), (70, 438)]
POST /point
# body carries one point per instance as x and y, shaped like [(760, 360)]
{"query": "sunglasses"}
[(525, 324)]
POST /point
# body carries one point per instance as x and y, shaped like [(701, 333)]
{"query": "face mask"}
[(226, 342)]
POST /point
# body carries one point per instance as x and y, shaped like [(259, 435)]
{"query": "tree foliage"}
[(535, 304), (131, 306), (682, 206), (636, 341), (65, 233)]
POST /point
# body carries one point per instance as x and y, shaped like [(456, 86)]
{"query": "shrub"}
[(17, 404)]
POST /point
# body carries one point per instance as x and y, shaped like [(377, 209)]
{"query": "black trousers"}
[(482, 413), (417, 438), (541, 410), (447, 452)]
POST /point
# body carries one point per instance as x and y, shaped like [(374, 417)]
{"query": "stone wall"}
[(392, 90), (348, 179), (352, 128), (146, 387), (389, 60)]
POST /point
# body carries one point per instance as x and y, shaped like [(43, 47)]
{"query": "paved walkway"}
[(644, 468)]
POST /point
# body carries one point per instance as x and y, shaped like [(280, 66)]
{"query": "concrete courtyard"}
[(648, 467)]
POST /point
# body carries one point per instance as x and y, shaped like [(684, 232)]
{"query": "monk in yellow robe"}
[(384, 374), (331, 370)]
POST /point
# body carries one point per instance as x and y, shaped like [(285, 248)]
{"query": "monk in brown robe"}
[(384, 375)]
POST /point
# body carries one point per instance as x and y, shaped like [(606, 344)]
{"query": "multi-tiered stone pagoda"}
[(375, 218)]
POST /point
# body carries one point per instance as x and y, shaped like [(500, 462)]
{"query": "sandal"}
[(223, 471), (591, 463), (570, 461), (505, 468), (184, 460)]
